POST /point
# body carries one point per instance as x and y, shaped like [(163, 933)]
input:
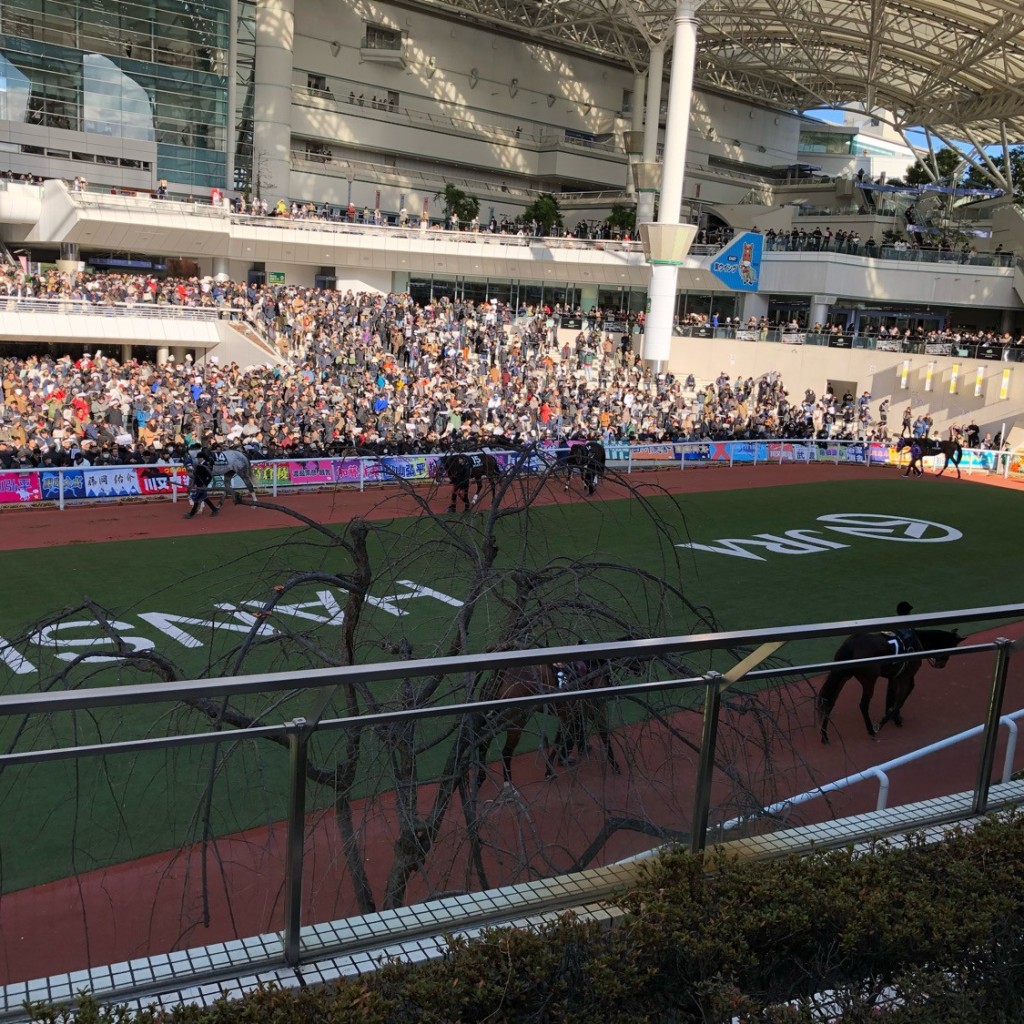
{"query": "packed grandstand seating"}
[(380, 374)]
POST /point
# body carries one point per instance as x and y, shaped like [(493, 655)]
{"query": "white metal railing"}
[(880, 772), (87, 307)]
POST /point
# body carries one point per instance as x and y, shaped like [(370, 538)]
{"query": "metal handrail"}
[(368, 675), (299, 732), (68, 306)]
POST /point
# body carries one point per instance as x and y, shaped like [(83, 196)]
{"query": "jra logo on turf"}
[(867, 525)]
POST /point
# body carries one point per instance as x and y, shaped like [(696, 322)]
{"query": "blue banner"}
[(738, 265), (74, 484)]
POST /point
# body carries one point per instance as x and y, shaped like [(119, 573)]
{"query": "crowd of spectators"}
[(377, 373)]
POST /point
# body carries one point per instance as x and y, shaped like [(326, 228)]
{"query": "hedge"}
[(910, 932)]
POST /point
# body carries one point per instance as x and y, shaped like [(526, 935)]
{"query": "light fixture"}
[(474, 77), (431, 67), (335, 48), (513, 87), (551, 100)]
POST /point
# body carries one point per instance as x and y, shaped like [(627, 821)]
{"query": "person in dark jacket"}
[(202, 477)]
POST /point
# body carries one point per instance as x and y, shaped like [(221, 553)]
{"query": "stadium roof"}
[(954, 66)]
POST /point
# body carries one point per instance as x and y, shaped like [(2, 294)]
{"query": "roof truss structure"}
[(946, 65)]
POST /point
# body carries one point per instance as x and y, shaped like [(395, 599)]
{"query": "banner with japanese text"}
[(19, 488)]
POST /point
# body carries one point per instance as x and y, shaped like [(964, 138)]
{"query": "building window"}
[(316, 83), (378, 37)]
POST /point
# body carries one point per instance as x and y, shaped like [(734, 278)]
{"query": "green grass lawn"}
[(166, 592)]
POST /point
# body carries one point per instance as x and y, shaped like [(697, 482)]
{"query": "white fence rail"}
[(69, 485)]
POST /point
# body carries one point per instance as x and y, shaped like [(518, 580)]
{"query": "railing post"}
[(706, 762), (60, 488), (297, 744), (991, 734)]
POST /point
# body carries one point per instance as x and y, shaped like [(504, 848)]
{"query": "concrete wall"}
[(811, 366)]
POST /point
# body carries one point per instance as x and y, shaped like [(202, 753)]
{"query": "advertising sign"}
[(738, 265)]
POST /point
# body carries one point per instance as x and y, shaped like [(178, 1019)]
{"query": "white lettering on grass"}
[(388, 604), (325, 601), (792, 542), (48, 637), (905, 529), (170, 625), (15, 661), (868, 525)]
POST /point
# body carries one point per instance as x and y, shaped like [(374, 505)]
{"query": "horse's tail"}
[(834, 681)]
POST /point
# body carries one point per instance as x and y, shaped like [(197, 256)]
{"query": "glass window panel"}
[(15, 89), (113, 103)]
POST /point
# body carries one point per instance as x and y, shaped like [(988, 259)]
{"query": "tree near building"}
[(622, 217), (545, 211), (458, 202), (946, 163)]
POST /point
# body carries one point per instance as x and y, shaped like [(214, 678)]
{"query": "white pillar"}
[(163, 355), (636, 124), (272, 128), (655, 74), (662, 289), (818, 311)]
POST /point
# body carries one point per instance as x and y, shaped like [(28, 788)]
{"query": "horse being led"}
[(951, 451), (589, 458), (574, 717), (462, 468), (900, 674), (228, 463)]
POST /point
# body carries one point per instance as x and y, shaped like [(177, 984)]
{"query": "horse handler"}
[(202, 477)]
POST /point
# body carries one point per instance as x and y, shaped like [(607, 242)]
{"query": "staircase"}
[(254, 337)]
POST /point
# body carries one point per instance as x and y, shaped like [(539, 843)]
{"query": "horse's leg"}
[(868, 685), (479, 488), (827, 696), (945, 464), (455, 493), (601, 719), (896, 696), (512, 737)]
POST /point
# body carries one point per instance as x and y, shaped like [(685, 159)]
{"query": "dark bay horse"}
[(574, 717), (951, 451), (900, 674), (462, 468), (589, 458)]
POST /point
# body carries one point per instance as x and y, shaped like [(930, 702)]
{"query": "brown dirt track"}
[(154, 905)]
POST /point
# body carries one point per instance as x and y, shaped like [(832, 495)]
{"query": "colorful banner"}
[(19, 488), (153, 480), (979, 382), (115, 482), (1004, 385), (310, 471), (954, 378), (74, 484)]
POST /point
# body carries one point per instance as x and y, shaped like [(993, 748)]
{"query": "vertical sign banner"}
[(905, 375), (928, 374), (1004, 385), (979, 381), (954, 378), (738, 264)]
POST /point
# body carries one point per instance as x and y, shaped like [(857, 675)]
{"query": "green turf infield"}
[(761, 557)]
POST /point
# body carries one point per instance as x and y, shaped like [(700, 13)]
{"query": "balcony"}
[(380, 50)]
